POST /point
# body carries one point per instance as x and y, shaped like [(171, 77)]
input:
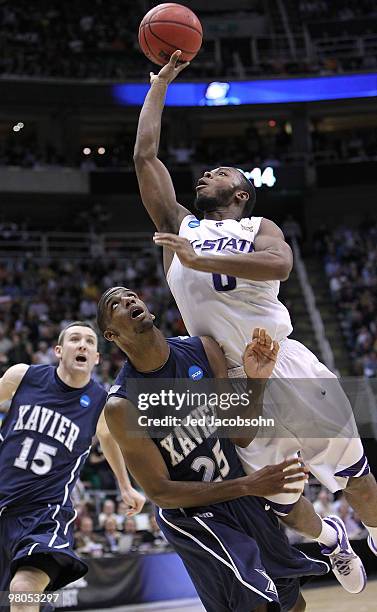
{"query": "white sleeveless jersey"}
[(225, 307)]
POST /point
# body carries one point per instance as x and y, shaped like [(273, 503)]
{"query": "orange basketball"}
[(168, 27)]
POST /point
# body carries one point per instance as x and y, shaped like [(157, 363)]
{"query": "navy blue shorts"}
[(34, 535), (237, 555)]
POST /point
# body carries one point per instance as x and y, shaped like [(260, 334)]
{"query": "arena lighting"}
[(261, 176), (272, 123), (87, 151), (101, 151), (271, 91), (16, 128), (20, 124)]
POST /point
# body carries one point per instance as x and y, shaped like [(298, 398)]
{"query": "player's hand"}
[(134, 500), (171, 70), (260, 355), (280, 478), (179, 245)]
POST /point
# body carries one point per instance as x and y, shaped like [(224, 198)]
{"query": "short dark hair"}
[(250, 189), (74, 324), (101, 311)]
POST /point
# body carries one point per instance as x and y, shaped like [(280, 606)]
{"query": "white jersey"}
[(225, 307)]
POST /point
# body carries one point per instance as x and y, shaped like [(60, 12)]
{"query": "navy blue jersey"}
[(190, 453), (46, 437)]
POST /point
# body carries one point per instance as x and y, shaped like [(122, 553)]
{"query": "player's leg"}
[(304, 519), (28, 580), (300, 604), (299, 514), (361, 494), (223, 561)]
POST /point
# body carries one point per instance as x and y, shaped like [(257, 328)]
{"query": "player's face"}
[(79, 351), (215, 189), (126, 315)]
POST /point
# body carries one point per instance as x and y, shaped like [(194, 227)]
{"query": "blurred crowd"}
[(38, 298), (98, 39), (342, 10), (264, 147), (107, 530), (350, 257), (353, 146), (92, 38)]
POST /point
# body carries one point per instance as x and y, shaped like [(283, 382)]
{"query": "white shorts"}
[(313, 417)]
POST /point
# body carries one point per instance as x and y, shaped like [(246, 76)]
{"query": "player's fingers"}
[(298, 478), (182, 67), (164, 235), (262, 336), (159, 240), (255, 333), (298, 470), (263, 350), (251, 345), (269, 342), (275, 347), (175, 57), (289, 462)]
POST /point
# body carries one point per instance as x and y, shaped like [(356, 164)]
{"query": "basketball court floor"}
[(323, 599)]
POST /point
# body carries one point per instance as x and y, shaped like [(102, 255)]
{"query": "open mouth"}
[(81, 359), (136, 312), (201, 183)]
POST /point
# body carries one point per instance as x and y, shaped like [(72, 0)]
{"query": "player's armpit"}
[(215, 356), (10, 381)]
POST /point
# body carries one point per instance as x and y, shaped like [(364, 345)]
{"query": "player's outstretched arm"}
[(146, 464), (114, 457), (10, 381), (271, 260), (155, 184)]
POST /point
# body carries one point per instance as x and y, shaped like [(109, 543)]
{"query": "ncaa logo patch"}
[(194, 223), (85, 401), (195, 372)]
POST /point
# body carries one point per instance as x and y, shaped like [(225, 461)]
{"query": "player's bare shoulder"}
[(11, 380), (269, 228)]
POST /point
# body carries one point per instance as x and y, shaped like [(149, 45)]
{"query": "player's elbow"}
[(283, 269), (142, 155), (158, 494)]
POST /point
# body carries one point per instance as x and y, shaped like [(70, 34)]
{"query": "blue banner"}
[(271, 91)]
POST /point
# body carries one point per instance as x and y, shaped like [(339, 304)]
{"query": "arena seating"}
[(99, 40)]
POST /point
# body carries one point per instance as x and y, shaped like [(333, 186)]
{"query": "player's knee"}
[(29, 579), (362, 485)]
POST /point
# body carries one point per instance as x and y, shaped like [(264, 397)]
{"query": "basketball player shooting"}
[(224, 273)]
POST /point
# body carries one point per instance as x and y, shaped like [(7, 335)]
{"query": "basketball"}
[(168, 27)]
